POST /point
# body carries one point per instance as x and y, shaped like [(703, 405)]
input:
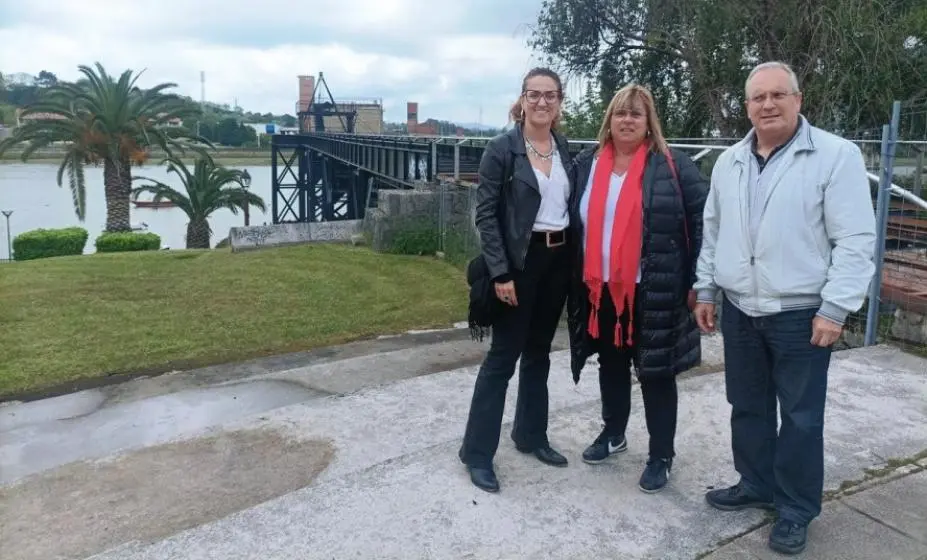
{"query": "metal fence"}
[(896, 167)]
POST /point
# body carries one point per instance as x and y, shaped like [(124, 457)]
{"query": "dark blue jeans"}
[(768, 359)]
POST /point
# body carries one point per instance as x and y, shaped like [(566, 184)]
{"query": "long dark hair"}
[(516, 113)]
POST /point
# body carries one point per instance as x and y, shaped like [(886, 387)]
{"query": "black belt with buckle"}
[(549, 238)]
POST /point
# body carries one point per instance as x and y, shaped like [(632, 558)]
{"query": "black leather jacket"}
[(507, 200)]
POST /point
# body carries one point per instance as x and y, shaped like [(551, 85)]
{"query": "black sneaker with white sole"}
[(603, 447)]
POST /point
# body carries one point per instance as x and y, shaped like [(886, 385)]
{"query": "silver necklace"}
[(534, 150)]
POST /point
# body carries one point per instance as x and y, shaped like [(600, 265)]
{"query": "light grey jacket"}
[(816, 239)]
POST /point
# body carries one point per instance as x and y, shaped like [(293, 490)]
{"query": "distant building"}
[(369, 112), (174, 122), (430, 127), (271, 128), (35, 116)]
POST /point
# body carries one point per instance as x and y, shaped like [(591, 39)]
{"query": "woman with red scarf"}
[(637, 215)]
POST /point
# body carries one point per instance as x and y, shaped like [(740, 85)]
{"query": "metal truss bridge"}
[(324, 176), (327, 176)]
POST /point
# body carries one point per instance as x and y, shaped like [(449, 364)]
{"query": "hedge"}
[(44, 243), (117, 242)]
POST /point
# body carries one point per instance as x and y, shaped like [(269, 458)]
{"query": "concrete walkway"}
[(328, 469)]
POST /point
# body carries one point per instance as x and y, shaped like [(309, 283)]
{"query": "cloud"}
[(457, 59)]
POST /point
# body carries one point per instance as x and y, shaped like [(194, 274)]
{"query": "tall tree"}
[(105, 120), (695, 54), (208, 188)]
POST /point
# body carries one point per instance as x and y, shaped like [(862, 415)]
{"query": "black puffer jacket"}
[(507, 200), (668, 338)]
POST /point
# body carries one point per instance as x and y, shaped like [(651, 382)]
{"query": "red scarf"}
[(625, 242)]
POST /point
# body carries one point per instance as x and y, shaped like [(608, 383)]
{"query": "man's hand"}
[(705, 316), (824, 332), (691, 300), (506, 292)]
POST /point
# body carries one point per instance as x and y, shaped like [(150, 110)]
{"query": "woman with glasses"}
[(522, 216), (637, 222)]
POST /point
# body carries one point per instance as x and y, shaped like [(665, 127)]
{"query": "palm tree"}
[(207, 189), (104, 120)]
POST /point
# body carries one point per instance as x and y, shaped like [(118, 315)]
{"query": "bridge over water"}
[(326, 176)]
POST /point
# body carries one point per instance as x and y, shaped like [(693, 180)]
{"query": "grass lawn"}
[(68, 318)]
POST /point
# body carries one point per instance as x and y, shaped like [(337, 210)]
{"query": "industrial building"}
[(318, 112)]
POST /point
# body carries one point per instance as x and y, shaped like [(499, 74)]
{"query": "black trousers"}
[(524, 331), (660, 394)]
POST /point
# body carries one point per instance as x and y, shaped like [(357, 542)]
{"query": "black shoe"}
[(788, 537), (546, 455), (485, 479), (735, 498), (656, 475), (603, 447)]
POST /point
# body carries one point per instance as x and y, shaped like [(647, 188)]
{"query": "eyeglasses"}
[(777, 97), (533, 96)]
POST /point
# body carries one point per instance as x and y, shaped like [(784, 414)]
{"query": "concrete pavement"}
[(327, 469)]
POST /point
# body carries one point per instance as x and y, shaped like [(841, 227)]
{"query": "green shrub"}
[(43, 243), (118, 242), (413, 237)]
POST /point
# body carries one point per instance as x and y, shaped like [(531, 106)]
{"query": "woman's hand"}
[(506, 292)]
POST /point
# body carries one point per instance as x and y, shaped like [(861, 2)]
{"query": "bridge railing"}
[(458, 156)]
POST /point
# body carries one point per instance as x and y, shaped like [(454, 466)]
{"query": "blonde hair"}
[(517, 113), (623, 99)]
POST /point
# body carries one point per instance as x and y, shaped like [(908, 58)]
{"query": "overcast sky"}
[(452, 56)]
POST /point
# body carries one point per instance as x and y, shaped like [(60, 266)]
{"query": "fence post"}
[(919, 172), (889, 139)]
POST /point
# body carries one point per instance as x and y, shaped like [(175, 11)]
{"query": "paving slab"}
[(33, 438), (43, 434), (395, 488), (840, 534), (900, 504), (85, 507)]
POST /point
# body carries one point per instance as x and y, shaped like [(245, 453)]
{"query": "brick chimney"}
[(412, 116), (306, 87)]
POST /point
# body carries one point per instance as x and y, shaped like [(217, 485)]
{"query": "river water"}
[(31, 192)]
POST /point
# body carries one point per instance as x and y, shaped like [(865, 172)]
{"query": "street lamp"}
[(246, 183), (9, 240)]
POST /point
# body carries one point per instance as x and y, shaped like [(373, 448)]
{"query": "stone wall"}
[(437, 217), (910, 326), (274, 235)]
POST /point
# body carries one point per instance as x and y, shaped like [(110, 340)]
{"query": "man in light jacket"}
[(789, 237)]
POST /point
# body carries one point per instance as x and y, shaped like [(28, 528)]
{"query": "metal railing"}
[(355, 146)]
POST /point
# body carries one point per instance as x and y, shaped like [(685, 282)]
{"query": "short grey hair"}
[(793, 79)]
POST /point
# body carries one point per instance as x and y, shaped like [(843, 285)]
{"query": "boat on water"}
[(153, 204)]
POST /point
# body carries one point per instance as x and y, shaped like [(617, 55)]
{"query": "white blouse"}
[(553, 215), (611, 205)]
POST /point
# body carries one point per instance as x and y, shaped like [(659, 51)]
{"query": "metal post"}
[(9, 240), (889, 139), (919, 172)]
